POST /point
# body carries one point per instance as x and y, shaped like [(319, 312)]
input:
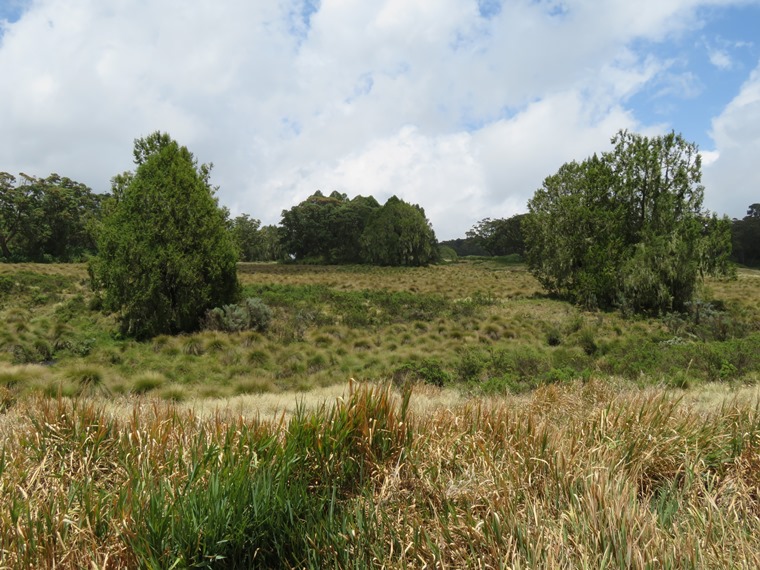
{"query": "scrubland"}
[(450, 416)]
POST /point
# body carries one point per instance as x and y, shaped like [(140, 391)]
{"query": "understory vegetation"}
[(570, 438)]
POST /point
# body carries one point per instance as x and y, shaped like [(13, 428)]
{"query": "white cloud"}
[(427, 99), (732, 181), (720, 59)]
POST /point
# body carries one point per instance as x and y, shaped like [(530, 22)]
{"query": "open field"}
[(486, 426), (481, 327)]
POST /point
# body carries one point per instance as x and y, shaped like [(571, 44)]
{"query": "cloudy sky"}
[(462, 106)]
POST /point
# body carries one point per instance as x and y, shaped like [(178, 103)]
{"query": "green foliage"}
[(50, 219), (627, 229), (429, 370), (251, 314), (446, 253), (501, 236), (745, 234), (399, 234), (326, 228), (165, 254)]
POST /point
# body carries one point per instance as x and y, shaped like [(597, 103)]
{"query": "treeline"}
[(56, 219), (504, 236), (337, 230), (47, 219)]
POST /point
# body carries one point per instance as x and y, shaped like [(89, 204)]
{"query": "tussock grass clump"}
[(193, 346), (147, 382)]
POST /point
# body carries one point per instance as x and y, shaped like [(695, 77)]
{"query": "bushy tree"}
[(246, 237), (165, 255), (627, 229), (399, 234)]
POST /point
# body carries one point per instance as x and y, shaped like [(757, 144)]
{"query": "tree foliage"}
[(399, 234), (502, 236), (327, 229), (46, 219), (255, 242), (165, 256), (627, 229), (746, 237)]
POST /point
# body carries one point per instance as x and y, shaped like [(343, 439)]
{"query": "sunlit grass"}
[(587, 474)]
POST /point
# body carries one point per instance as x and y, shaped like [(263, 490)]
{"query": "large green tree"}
[(398, 233), (246, 236), (165, 254), (627, 229)]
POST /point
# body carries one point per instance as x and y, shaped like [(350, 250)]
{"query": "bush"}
[(251, 314), (429, 371)]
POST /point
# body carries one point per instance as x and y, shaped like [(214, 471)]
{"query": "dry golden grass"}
[(455, 281), (580, 476)]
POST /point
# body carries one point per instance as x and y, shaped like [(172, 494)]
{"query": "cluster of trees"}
[(47, 219), (626, 229), (334, 229), (502, 236), (746, 238), (167, 252), (255, 242)]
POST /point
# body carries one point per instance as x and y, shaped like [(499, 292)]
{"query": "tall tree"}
[(398, 233), (46, 219), (246, 236), (20, 206), (165, 255), (627, 229), (327, 228)]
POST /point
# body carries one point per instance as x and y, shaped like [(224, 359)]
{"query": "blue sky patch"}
[(489, 8), (705, 72)]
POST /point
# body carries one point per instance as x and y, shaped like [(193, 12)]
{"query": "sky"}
[(461, 106)]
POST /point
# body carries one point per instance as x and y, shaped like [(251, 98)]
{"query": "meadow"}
[(450, 416)]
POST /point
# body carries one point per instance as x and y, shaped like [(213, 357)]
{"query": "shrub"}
[(430, 371), (252, 314)]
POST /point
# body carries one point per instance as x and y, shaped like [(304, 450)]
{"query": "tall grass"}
[(572, 476)]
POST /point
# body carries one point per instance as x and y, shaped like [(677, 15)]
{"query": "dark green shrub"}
[(165, 255), (429, 370), (470, 365)]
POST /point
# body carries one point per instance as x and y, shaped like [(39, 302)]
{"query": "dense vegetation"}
[(627, 229), (334, 229), (47, 219), (746, 238), (165, 257)]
